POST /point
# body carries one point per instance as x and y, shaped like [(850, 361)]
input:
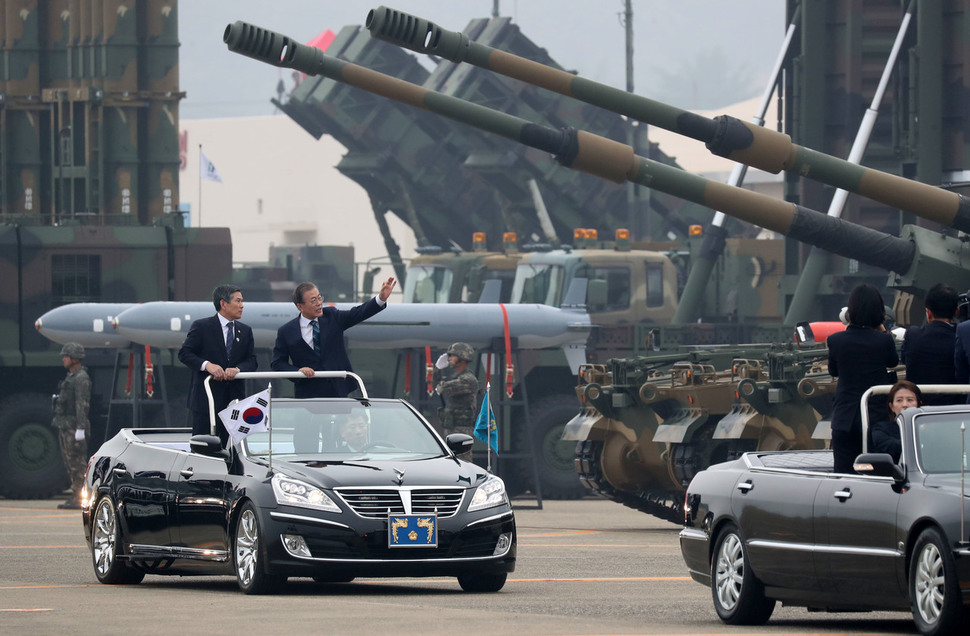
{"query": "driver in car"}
[(354, 432)]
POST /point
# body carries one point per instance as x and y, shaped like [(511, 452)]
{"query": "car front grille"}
[(376, 503)]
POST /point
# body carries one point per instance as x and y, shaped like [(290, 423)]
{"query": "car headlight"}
[(294, 492), (489, 494)]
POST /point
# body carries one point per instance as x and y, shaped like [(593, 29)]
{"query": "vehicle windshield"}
[(339, 430), (427, 284), (940, 445), (537, 283)]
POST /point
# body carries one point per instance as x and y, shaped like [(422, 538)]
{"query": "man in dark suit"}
[(314, 340), (219, 346), (928, 349)]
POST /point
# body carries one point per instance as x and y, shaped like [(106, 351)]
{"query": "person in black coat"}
[(219, 346), (860, 357), (885, 432), (314, 340), (928, 349)]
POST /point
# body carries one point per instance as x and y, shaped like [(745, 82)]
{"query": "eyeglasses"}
[(316, 300)]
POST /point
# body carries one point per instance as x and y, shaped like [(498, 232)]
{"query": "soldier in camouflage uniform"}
[(71, 419), (459, 388)]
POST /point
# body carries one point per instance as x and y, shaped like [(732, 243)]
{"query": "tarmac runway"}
[(584, 567)]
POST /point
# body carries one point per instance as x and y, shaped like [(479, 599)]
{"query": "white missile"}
[(164, 325), (88, 324)]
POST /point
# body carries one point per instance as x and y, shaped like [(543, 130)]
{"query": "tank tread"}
[(661, 505)]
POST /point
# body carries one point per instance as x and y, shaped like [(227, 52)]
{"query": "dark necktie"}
[(316, 336), (230, 336)]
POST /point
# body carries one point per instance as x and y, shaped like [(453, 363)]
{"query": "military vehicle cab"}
[(615, 286), (437, 276)]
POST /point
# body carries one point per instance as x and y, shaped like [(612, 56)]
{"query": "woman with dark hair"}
[(885, 434), (860, 358)]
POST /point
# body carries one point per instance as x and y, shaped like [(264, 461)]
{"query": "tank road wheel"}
[(482, 582), (248, 557), (106, 547), (933, 586), (739, 598), (555, 458), (30, 454)]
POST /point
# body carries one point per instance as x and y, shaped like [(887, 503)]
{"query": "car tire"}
[(482, 581), (739, 598), (933, 586), (106, 547), (249, 557)]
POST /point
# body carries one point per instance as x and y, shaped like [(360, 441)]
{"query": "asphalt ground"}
[(584, 567)]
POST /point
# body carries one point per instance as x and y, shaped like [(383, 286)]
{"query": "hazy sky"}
[(690, 53)]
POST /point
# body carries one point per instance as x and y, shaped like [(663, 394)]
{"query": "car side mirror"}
[(459, 443), (208, 445), (879, 465)]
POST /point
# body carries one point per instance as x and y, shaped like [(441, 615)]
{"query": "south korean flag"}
[(247, 416)]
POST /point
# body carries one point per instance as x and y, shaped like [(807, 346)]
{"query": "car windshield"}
[(940, 445), (338, 430)]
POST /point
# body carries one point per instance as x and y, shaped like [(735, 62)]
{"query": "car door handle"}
[(842, 495), (187, 472), (745, 486), (121, 472)]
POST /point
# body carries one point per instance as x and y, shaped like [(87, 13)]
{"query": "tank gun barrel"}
[(587, 152), (725, 136)]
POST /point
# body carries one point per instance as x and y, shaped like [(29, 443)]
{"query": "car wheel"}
[(106, 547), (482, 582), (248, 557), (933, 587), (739, 598)]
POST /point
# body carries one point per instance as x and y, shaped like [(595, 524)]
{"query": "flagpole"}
[(200, 185), (269, 423), (488, 420)]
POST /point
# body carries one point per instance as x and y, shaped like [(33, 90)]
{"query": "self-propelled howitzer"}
[(725, 136), (918, 258)]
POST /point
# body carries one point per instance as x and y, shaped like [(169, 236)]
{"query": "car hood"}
[(438, 471)]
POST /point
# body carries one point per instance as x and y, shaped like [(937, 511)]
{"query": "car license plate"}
[(412, 531)]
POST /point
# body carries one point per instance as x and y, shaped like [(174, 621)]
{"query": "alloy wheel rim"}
[(730, 572), (104, 537), (247, 543), (930, 584)]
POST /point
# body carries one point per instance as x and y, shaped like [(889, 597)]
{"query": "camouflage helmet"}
[(462, 350), (73, 350)]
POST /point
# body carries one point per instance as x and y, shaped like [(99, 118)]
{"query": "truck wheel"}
[(30, 455), (555, 459)]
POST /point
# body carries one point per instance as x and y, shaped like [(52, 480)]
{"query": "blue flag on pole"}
[(485, 427)]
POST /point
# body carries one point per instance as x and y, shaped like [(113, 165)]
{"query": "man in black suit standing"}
[(219, 346), (314, 340), (928, 349)]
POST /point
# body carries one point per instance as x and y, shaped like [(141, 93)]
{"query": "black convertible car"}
[(782, 526), (335, 489)]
